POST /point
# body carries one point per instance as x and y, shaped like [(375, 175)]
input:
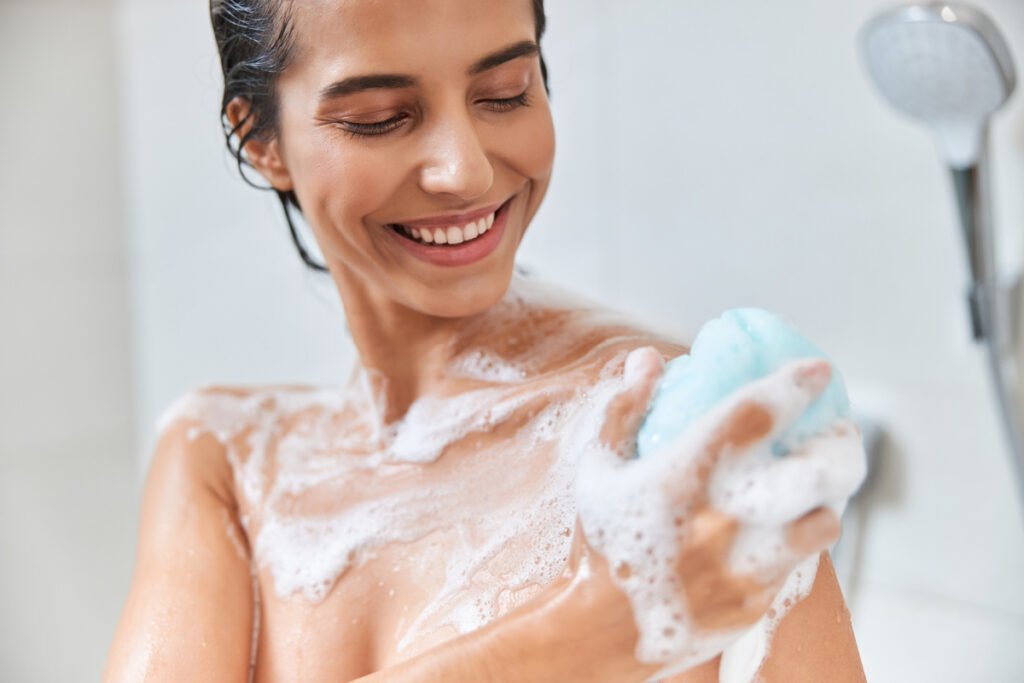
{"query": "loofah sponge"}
[(742, 345)]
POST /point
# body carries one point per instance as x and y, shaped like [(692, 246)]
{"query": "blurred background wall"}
[(710, 155), (68, 453)]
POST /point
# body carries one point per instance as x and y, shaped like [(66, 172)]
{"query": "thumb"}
[(626, 411)]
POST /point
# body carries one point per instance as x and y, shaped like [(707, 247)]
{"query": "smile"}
[(453, 240), (452, 234)]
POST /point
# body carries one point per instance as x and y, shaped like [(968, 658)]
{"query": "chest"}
[(401, 600), (365, 561)]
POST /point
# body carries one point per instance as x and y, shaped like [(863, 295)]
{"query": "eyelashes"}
[(352, 129), (510, 103)]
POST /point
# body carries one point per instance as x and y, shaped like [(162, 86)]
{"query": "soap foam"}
[(325, 485), (483, 365)]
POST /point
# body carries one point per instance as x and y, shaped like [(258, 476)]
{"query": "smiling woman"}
[(251, 66), (422, 522)]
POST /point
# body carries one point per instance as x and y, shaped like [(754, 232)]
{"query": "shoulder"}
[(205, 433), (550, 329), (225, 408), (227, 412), (600, 337)]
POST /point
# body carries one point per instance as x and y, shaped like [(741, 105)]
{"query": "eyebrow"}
[(353, 84)]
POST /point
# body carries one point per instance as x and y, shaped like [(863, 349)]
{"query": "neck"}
[(405, 351)]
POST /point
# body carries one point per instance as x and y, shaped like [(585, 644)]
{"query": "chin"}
[(467, 297)]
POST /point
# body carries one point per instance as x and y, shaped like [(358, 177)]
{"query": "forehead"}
[(411, 36)]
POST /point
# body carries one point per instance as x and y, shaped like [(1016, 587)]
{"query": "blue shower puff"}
[(741, 346)]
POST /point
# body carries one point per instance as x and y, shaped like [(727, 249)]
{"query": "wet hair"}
[(256, 41)]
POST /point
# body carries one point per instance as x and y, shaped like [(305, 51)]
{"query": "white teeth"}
[(452, 234)]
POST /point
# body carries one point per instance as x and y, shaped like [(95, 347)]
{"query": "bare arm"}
[(189, 611)]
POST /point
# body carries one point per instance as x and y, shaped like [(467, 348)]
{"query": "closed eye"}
[(510, 103), (353, 129)]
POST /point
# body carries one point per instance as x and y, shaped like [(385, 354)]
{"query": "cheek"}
[(532, 150), (531, 154), (338, 184)]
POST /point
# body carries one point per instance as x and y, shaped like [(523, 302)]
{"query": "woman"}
[(420, 523)]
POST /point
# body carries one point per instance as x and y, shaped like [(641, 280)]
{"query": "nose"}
[(457, 162)]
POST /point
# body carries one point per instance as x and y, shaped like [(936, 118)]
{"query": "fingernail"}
[(813, 376), (639, 362)]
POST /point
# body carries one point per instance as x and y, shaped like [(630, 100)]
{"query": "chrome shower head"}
[(947, 65)]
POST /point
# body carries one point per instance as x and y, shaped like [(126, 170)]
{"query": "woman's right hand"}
[(743, 519)]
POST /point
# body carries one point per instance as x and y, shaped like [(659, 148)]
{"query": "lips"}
[(454, 253), (457, 220)]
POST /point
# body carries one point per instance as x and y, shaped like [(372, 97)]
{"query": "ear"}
[(265, 156)]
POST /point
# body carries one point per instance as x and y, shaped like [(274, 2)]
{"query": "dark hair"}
[(255, 39)]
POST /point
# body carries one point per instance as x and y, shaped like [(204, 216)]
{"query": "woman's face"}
[(428, 114)]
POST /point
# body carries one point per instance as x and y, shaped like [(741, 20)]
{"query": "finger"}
[(825, 469), (812, 533), (731, 602), (717, 595), (770, 553), (762, 410), (643, 368), (577, 550)]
